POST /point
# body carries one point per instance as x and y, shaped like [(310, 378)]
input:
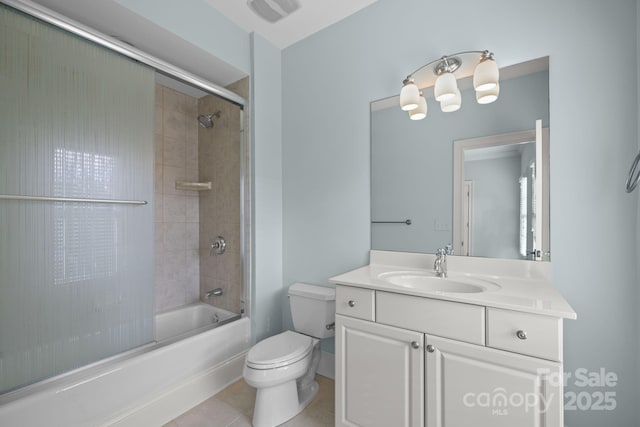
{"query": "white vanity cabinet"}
[(404, 360), (379, 375), (471, 385)]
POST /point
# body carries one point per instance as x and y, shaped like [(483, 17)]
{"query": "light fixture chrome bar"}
[(71, 199), (116, 45), (437, 62)]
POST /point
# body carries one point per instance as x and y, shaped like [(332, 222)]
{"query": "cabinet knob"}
[(415, 345), (431, 348), (351, 303), (521, 334)]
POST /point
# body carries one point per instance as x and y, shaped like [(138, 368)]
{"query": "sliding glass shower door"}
[(76, 269)]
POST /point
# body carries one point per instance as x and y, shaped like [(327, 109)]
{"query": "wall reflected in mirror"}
[(412, 172)]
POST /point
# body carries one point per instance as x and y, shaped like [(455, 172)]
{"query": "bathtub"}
[(199, 351), (190, 320)]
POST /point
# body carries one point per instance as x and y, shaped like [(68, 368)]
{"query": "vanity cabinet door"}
[(471, 385), (379, 375)]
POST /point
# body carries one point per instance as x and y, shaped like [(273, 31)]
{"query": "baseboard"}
[(327, 365), (195, 390)]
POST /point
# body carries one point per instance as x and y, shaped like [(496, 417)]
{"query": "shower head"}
[(206, 120)]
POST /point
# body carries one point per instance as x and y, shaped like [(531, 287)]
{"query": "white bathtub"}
[(190, 320), (190, 364)]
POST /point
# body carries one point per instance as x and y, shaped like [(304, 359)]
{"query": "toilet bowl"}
[(274, 367), (282, 368)]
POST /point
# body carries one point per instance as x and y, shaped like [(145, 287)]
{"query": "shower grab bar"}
[(634, 175), (407, 222), (71, 199)]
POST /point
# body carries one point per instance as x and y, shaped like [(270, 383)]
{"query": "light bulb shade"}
[(409, 96), (420, 112), (446, 87), (486, 75), (452, 104), (488, 96)]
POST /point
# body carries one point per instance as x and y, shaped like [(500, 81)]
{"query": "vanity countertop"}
[(524, 286)]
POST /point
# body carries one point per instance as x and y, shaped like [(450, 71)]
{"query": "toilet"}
[(283, 367)]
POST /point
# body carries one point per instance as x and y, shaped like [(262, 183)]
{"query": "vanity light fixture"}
[(452, 104), (409, 95), (420, 112), (488, 96), (443, 75), (446, 84), (486, 74)]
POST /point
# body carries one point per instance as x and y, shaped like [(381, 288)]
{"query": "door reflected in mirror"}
[(472, 178), (500, 200)]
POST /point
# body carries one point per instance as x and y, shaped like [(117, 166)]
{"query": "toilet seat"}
[(279, 350)]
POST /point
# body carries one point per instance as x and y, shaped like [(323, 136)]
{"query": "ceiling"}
[(311, 17), (111, 18)]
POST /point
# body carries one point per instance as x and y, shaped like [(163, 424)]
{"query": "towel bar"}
[(71, 199)]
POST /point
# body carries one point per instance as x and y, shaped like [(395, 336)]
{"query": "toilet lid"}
[(279, 350)]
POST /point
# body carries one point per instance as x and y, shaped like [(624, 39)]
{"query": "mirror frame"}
[(542, 170)]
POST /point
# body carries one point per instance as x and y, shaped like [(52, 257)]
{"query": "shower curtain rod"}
[(44, 14), (71, 199)]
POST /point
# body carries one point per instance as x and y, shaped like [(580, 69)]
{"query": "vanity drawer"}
[(446, 319), (524, 333), (355, 302)]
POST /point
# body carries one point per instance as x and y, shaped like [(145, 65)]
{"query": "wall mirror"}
[(477, 178)]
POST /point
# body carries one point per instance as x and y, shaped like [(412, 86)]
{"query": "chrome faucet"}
[(215, 292), (440, 264)]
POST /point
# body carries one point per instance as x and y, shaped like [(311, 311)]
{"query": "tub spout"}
[(215, 292)]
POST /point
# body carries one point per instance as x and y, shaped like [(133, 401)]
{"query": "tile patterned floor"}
[(233, 407)]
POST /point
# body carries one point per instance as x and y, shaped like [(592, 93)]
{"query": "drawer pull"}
[(415, 345), (431, 348), (521, 334), (352, 303)]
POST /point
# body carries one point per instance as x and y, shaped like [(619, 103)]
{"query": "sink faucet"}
[(440, 264), (448, 249)]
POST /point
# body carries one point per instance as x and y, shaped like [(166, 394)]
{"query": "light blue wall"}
[(200, 24), (330, 78), (266, 123)]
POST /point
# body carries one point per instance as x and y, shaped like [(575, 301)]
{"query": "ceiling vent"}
[(273, 10)]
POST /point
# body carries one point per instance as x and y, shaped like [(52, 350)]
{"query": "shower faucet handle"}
[(215, 293), (218, 246)]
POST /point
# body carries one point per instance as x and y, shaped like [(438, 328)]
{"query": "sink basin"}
[(429, 282)]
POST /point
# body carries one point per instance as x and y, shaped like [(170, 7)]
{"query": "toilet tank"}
[(313, 308)]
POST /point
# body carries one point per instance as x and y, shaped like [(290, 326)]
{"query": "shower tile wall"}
[(219, 162), (177, 280)]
